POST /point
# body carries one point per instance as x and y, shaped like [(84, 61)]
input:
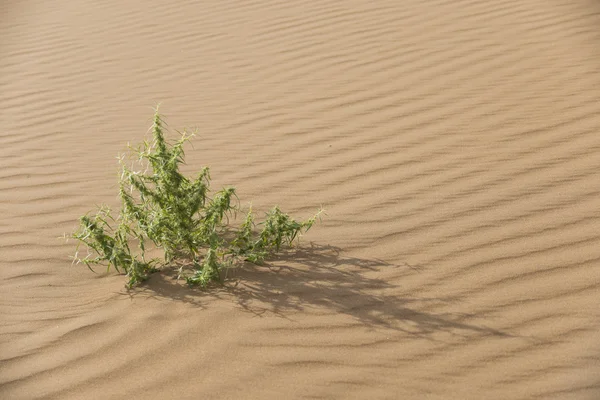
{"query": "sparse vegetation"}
[(162, 208)]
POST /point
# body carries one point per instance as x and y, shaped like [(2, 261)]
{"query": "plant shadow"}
[(320, 279)]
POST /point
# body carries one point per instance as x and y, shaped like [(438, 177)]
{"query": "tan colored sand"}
[(455, 145)]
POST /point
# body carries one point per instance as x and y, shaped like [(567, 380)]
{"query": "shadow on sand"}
[(320, 279)]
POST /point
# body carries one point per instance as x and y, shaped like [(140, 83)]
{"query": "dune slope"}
[(455, 145)]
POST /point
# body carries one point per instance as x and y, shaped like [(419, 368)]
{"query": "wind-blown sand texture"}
[(454, 144)]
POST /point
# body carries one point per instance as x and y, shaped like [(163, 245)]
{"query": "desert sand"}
[(454, 144)]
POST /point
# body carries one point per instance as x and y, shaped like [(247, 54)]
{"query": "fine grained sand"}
[(455, 145)]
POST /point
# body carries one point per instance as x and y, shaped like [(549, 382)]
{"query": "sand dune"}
[(455, 145)]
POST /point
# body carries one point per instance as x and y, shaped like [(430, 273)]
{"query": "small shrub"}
[(163, 208)]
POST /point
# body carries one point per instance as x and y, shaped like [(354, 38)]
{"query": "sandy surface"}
[(455, 145)]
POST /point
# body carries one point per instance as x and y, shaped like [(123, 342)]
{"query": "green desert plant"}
[(162, 207)]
